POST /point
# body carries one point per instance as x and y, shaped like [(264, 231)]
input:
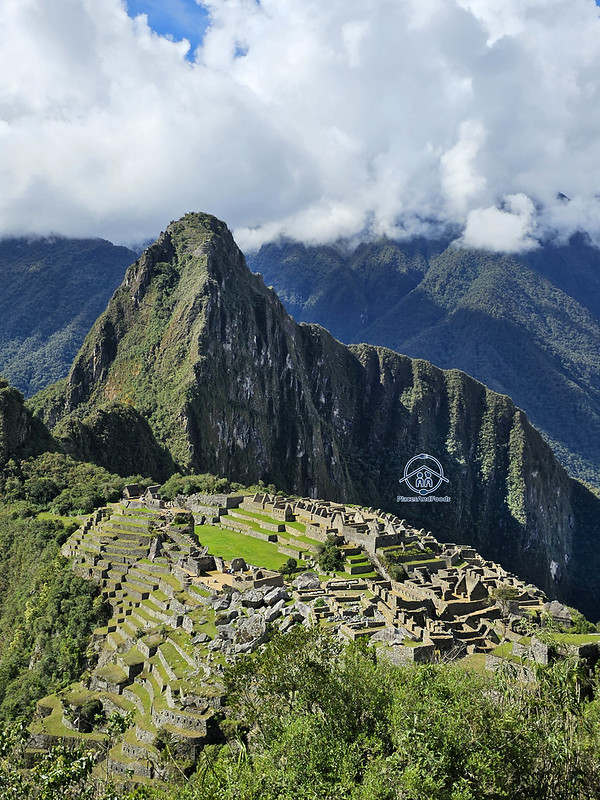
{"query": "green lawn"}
[(257, 516), (577, 638), (231, 544), (66, 520), (299, 526)]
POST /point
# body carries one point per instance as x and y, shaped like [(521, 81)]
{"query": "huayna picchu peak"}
[(195, 365)]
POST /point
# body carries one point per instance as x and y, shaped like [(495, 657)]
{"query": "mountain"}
[(21, 434), (198, 358), (53, 289), (527, 326)]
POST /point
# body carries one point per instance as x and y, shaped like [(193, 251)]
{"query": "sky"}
[(314, 120)]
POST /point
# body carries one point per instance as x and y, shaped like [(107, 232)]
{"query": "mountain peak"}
[(196, 365)]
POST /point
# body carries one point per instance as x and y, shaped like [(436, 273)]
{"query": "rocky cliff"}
[(198, 358), (21, 434), (526, 325)]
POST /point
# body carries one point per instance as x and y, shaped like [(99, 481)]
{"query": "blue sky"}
[(180, 19)]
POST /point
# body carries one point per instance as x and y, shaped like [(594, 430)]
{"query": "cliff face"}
[(525, 325), (21, 434), (195, 347)]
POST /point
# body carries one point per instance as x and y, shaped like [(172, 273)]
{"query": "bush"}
[(329, 556)]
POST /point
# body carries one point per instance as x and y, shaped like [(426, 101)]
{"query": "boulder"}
[(308, 580), (251, 633), (226, 631), (275, 595), (253, 598), (271, 614), (302, 608)]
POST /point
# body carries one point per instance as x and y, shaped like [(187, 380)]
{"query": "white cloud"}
[(508, 229), (392, 116)]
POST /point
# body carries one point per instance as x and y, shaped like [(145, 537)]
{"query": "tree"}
[(290, 566), (329, 556)]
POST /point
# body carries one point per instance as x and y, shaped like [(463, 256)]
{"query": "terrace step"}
[(140, 697)]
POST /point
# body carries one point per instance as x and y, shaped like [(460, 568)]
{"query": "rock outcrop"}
[(21, 434)]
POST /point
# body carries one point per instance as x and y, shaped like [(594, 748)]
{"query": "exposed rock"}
[(271, 614), (253, 598), (226, 631), (355, 412), (308, 580), (303, 608), (226, 616), (250, 633), (559, 612), (276, 595), (288, 623)]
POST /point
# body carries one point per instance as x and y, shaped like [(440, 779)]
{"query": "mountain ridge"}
[(507, 320), (199, 350), (53, 290)]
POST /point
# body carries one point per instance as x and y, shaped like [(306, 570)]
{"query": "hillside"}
[(52, 291), (204, 358), (526, 326), (21, 434)]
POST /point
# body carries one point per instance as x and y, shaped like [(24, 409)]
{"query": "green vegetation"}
[(58, 483), (329, 556), (157, 388), (525, 325), (71, 280), (196, 484), (47, 613), (230, 544), (289, 568), (329, 721)]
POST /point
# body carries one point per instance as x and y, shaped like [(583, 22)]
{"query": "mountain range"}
[(525, 325), (195, 365), (52, 291)]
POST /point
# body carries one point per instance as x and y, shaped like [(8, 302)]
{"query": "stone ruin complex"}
[(180, 612)]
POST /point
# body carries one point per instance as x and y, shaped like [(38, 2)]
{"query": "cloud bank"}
[(311, 119)]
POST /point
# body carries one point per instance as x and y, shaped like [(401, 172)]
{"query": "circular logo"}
[(423, 474)]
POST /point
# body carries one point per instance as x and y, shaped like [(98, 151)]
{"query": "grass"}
[(66, 520), (231, 544), (112, 673), (209, 626), (143, 695), (133, 657), (577, 638), (474, 662), (253, 525), (179, 666), (172, 581), (183, 640), (53, 725), (260, 517), (503, 649), (299, 526)]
